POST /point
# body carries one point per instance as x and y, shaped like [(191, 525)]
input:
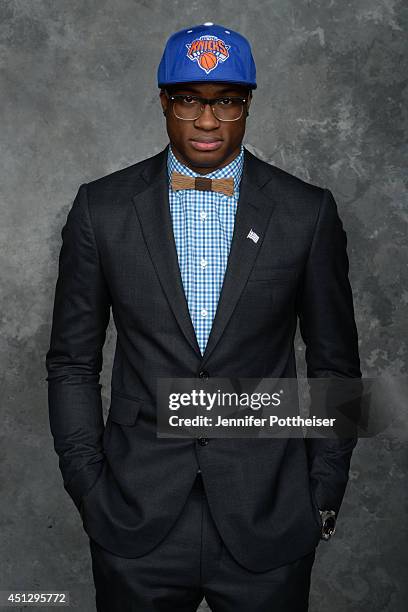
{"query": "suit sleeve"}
[(74, 360), (328, 328)]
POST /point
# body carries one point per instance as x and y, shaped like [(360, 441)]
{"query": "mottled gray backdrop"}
[(78, 100)]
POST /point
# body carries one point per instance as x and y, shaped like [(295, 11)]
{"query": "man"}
[(206, 274)]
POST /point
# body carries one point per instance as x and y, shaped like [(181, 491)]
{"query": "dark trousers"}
[(191, 563)]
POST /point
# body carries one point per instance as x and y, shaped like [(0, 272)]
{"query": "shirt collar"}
[(234, 168)]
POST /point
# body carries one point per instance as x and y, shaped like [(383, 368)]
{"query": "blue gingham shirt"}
[(203, 224)]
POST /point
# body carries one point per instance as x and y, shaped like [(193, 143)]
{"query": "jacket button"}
[(204, 374), (203, 441)]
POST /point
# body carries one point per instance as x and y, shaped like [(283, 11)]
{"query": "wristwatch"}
[(328, 518)]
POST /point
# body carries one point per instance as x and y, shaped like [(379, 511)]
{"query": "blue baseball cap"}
[(207, 53)]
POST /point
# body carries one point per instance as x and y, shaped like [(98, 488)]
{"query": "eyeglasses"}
[(189, 108)]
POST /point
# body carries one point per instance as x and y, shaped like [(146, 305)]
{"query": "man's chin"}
[(204, 159)]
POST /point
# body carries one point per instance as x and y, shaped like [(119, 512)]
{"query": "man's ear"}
[(248, 104), (249, 100), (164, 101)]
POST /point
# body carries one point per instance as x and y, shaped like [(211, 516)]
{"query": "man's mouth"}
[(206, 144)]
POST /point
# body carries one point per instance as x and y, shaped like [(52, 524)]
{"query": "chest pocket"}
[(269, 273), (269, 293)]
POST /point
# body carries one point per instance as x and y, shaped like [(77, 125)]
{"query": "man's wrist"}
[(328, 518)]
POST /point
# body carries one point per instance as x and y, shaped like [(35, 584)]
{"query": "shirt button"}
[(204, 312), (203, 262), (203, 441), (203, 215)]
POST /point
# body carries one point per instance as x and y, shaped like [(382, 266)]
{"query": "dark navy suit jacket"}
[(119, 254)]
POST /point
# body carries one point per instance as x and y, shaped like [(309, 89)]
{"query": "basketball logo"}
[(207, 61), (207, 51)]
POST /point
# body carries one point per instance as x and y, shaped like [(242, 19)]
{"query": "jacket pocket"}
[(123, 408), (273, 274)]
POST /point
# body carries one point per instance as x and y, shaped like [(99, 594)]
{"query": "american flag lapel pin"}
[(253, 236)]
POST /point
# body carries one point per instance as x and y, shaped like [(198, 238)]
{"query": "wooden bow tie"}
[(222, 185)]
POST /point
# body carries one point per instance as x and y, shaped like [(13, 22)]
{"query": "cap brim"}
[(232, 82)]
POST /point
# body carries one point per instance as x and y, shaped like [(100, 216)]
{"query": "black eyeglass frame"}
[(204, 102)]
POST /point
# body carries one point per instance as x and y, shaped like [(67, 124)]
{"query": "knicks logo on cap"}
[(207, 51)]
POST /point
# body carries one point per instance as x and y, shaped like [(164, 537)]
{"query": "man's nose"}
[(207, 119)]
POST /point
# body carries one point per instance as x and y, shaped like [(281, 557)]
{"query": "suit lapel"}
[(255, 206), (253, 212), (153, 209)]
